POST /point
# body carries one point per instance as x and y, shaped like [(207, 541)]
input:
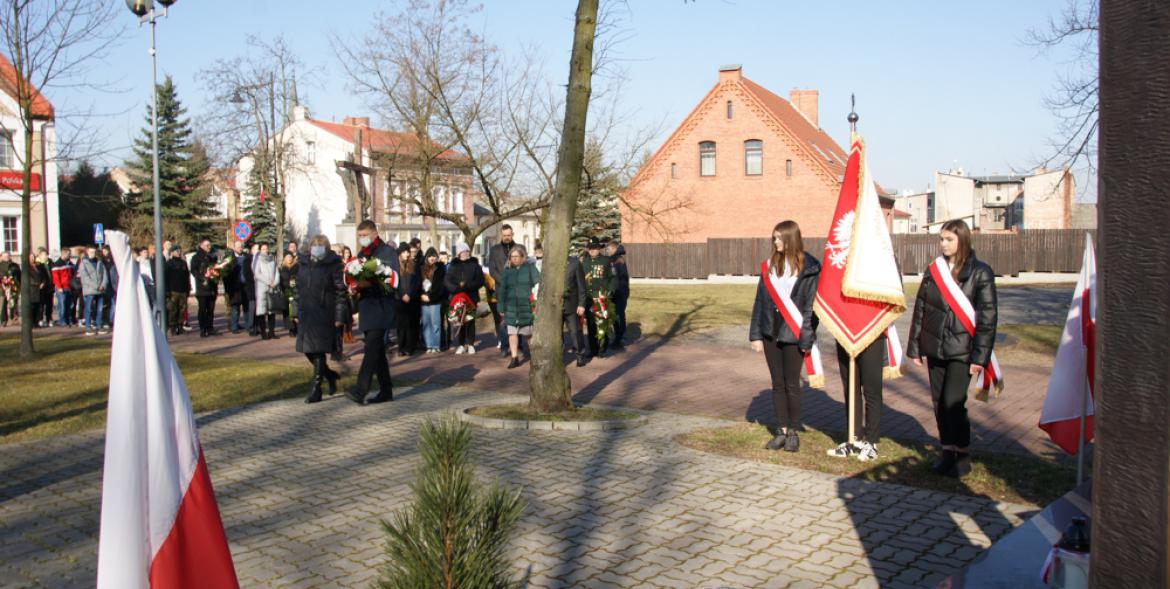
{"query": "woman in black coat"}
[(409, 312), (465, 275), (321, 310), (795, 270), (952, 355)]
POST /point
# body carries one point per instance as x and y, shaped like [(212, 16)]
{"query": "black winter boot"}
[(318, 377), (270, 321)]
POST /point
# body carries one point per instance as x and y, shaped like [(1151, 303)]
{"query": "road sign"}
[(243, 230), (99, 236)]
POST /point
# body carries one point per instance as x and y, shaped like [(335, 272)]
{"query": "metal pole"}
[(160, 291), (851, 402)]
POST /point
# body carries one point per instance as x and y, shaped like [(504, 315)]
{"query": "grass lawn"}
[(63, 389), (1002, 477), (521, 412)]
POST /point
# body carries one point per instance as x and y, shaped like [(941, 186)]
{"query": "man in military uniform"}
[(598, 282), (576, 302)]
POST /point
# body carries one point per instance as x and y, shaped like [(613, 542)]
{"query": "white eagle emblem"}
[(837, 248)]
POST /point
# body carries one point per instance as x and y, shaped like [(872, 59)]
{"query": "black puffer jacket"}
[(936, 333), (465, 277), (766, 320)]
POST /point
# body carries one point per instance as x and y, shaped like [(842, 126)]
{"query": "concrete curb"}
[(572, 426)]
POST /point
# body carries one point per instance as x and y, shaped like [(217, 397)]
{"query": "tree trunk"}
[(26, 326), (549, 386)]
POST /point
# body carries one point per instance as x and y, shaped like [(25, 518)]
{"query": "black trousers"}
[(374, 363), (784, 362), (868, 391), (407, 331), (573, 322), (619, 326), (465, 334), (444, 328), (206, 311), (949, 380)]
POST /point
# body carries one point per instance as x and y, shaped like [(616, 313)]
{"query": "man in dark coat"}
[(599, 282), (497, 261), (238, 288), (178, 289), (576, 301), (206, 288), (375, 317), (621, 291)]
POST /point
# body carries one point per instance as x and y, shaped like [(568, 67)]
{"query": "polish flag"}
[(859, 293), (1071, 386), (160, 526)]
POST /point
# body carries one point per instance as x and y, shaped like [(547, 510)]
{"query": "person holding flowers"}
[(599, 281), (203, 265), (288, 286), (518, 291), (374, 272), (463, 280), (322, 308)]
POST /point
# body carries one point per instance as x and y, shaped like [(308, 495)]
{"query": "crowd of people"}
[(76, 288), (952, 333)]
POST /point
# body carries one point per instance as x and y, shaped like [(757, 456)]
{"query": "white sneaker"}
[(867, 452), (845, 450), (459, 351), (88, 331), (471, 350)]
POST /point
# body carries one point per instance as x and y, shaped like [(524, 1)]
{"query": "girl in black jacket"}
[(952, 355), (794, 270), (409, 304), (465, 275)]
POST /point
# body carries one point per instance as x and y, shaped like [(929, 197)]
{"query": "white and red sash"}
[(793, 318), (991, 376)]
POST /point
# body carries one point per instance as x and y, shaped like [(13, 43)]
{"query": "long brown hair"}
[(963, 232), (793, 247)]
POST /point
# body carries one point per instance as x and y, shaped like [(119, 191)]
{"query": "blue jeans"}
[(431, 324), (64, 302), (93, 310)]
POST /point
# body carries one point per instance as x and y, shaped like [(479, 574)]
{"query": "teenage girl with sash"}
[(784, 327), (954, 331)]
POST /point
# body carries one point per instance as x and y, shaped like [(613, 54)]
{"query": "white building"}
[(525, 230), (1042, 200), (919, 209), (44, 220), (316, 199)]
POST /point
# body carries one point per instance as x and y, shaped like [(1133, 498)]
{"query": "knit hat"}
[(461, 247)]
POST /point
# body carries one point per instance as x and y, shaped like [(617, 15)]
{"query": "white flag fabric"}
[(1071, 385), (871, 271), (160, 526)]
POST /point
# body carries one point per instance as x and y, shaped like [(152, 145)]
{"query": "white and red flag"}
[(860, 291), (1071, 386), (160, 526)]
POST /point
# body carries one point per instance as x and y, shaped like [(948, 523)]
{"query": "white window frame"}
[(7, 150), (756, 150), (707, 157), (5, 245)]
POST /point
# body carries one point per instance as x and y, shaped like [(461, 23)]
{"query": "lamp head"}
[(166, 3), (141, 7)]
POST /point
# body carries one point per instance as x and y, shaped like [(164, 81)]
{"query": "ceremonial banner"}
[(1071, 386), (160, 526), (860, 290)]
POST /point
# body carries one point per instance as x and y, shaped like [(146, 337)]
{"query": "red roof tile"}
[(821, 148), (41, 107), (381, 140)]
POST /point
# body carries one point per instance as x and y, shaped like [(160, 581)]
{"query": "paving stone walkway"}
[(302, 489)]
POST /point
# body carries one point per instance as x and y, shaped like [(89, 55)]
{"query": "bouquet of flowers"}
[(225, 265), (533, 296), (292, 298), (372, 270), (462, 310), (602, 319), (10, 289)]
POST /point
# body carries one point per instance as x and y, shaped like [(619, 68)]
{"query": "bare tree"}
[(1075, 99), (253, 96), (49, 44), (549, 388)]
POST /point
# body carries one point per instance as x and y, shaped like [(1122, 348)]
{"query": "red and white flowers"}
[(371, 270)]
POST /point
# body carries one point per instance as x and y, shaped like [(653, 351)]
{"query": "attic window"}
[(673, 170), (728, 109), (788, 168)]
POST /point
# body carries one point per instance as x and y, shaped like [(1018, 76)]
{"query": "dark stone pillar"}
[(1131, 474)]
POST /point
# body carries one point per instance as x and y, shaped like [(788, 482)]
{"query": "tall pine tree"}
[(598, 216), (260, 213), (184, 190)]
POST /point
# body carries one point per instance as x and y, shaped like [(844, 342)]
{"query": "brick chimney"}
[(356, 121), (805, 102), (730, 72)]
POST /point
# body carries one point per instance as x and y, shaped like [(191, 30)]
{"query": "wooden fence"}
[(1040, 250)]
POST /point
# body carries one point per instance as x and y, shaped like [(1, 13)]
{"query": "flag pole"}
[(851, 401), (1081, 436)]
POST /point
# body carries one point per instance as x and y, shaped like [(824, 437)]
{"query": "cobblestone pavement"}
[(302, 490)]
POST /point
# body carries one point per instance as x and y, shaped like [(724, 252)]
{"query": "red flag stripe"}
[(195, 553)]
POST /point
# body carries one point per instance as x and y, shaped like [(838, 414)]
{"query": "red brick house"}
[(743, 160)]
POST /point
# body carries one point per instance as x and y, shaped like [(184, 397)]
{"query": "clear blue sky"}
[(936, 82)]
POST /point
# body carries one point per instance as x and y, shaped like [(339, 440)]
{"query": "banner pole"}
[(851, 401), (1081, 436)]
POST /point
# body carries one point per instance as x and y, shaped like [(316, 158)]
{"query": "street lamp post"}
[(146, 12)]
